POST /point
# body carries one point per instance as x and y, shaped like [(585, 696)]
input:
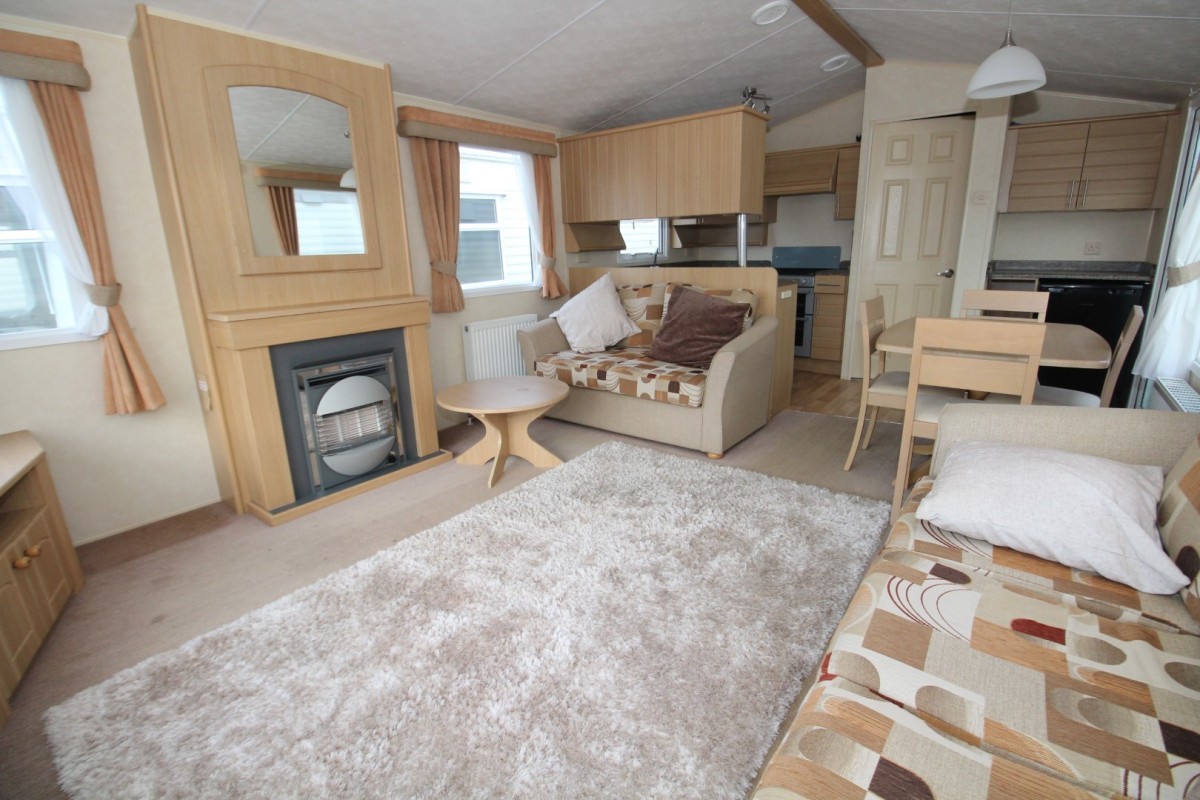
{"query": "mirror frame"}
[(218, 80)]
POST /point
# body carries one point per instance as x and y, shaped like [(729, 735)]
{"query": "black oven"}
[(805, 303)]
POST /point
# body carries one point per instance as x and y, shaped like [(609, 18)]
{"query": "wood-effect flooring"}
[(829, 394)]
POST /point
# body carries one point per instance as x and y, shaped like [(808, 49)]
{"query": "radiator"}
[(491, 346), (1175, 394)]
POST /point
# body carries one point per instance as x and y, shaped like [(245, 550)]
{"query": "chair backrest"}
[(1133, 324), (1006, 302), (871, 320), (982, 355)]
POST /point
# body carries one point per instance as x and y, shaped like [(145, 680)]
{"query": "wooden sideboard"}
[(40, 570)]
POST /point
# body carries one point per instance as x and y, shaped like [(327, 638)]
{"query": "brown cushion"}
[(698, 326)]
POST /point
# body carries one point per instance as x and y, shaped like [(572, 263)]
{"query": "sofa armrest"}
[(1133, 436), (540, 338), (737, 395)]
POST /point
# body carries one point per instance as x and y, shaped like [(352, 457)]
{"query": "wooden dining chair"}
[(1010, 305), (994, 357), (880, 389), (1058, 396)]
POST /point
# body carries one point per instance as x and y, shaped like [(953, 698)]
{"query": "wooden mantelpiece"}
[(239, 299), (242, 342)]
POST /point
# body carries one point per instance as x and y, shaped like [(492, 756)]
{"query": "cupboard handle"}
[(22, 562), (1071, 194), (1083, 202), (33, 551)]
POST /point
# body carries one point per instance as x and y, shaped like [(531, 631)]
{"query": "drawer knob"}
[(33, 551), (23, 562)]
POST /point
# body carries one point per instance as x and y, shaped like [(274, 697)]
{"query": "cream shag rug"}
[(630, 624)]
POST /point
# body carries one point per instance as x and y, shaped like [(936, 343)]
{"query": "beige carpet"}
[(154, 588), (630, 624)]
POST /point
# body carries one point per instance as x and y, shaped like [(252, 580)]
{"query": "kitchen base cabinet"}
[(39, 571), (829, 322)]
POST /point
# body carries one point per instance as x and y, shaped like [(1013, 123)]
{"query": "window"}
[(644, 238), (494, 248), (327, 222), (39, 304)]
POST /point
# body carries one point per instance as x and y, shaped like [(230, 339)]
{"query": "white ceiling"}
[(586, 64)]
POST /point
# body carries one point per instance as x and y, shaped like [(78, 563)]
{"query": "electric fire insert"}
[(349, 413)]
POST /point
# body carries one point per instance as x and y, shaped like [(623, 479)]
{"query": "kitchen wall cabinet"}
[(702, 164), (39, 569), (720, 230), (1119, 163), (846, 185), (815, 170)]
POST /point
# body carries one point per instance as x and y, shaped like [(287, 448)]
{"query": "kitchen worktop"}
[(1081, 270)]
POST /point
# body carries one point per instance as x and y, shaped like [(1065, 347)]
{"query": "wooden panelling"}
[(1046, 171), (1120, 168)]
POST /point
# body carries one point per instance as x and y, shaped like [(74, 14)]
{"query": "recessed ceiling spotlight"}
[(771, 12), (835, 63)]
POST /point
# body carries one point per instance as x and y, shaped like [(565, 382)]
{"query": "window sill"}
[(512, 288), (19, 341)]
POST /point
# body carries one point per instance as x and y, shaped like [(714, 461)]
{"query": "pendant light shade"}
[(1008, 71), (349, 179)]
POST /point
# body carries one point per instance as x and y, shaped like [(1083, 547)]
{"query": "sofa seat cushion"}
[(1097, 593), (847, 742), (627, 371), (1027, 673)]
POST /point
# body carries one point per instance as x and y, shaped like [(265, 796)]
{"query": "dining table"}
[(1067, 344)]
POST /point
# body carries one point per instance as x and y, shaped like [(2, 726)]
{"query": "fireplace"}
[(345, 407)]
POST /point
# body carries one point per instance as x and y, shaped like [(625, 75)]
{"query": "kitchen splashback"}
[(806, 257)]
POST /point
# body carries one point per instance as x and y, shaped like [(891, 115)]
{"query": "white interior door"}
[(916, 195)]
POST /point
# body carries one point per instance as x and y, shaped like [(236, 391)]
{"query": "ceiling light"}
[(835, 63), (1008, 71), (349, 179), (771, 12)]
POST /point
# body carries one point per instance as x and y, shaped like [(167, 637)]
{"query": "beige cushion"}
[(1179, 521), (894, 383), (644, 303), (1079, 510), (594, 319), (1058, 396), (930, 403)]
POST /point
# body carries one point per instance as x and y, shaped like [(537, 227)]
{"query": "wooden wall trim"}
[(426, 123), (840, 31)]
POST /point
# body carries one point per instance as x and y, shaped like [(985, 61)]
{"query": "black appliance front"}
[(1102, 306)]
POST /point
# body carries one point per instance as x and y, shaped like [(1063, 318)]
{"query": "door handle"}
[(946, 273)]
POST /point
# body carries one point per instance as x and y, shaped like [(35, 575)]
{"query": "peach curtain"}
[(552, 285), (129, 385), (283, 208), (436, 169)]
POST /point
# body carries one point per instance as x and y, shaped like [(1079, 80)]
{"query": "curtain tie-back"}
[(444, 267), (1178, 276), (546, 262), (103, 296)]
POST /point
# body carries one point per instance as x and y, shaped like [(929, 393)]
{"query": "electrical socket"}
[(1092, 248)]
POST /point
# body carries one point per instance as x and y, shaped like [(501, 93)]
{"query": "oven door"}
[(805, 301)]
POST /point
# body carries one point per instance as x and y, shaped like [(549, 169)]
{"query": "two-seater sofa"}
[(622, 391), (967, 670)]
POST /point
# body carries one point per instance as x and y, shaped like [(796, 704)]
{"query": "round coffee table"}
[(505, 406)]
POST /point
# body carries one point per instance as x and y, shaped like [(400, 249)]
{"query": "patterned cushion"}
[(628, 371), (1100, 595), (847, 742), (1028, 674), (1179, 521), (644, 304)]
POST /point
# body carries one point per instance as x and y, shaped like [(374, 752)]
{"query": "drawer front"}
[(827, 353), (827, 337), (830, 284), (831, 305)]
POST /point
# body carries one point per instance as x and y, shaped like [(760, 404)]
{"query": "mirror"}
[(296, 167)]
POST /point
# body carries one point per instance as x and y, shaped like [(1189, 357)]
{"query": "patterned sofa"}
[(964, 670), (625, 391)]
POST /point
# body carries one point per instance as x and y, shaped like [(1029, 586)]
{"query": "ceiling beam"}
[(831, 22)]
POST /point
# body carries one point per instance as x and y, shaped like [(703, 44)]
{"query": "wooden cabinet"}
[(1120, 163), (829, 322), (846, 184), (815, 170), (38, 567), (702, 164), (781, 384), (720, 230)]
